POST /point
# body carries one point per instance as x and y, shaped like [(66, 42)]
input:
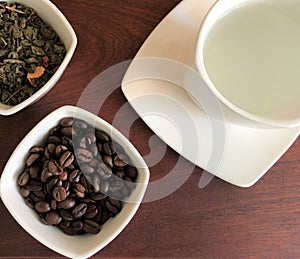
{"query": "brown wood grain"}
[(220, 220)]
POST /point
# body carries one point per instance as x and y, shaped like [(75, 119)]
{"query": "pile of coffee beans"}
[(78, 179)]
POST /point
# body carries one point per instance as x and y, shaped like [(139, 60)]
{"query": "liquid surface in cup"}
[(252, 55)]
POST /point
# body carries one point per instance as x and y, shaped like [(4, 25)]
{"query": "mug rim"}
[(205, 27)]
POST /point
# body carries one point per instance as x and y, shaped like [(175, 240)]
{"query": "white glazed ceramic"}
[(249, 152), (287, 117), (50, 14), (70, 246)]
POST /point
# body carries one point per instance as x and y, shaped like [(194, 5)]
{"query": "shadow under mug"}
[(282, 116)]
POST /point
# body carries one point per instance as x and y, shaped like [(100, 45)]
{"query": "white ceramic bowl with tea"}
[(248, 54), (52, 16)]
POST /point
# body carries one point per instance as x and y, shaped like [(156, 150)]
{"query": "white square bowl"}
[(71, 246), (50, 14)]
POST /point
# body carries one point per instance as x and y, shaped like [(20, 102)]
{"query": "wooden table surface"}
[(220, 220)]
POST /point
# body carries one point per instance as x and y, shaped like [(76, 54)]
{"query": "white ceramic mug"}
[(264, 53)]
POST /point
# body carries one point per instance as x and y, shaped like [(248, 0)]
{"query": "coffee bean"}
[(46, 175), (79, 210), (66, 159), (54, 139), (74, 176), (36, 149), (32, 158), (34, 171), (66, 122), (53, 218), (59, 193), (33, 185), (66, 215), (86, 169), (108, 161), (42, 207), (64, 224), (77, 225), (91, 226), (131, 172), (120, 161), (80, 124), (91, 211), (68, 203), (113, 205), (55, 168), (84, 155), (24, 192), (23, 178), (102, 136), (68, 131), (59, 150), (109, 148), (29, 202)]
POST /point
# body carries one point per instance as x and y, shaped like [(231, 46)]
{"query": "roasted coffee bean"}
[(98, 196), (68, 203), (131, 172), (63, 176), (59, 193), (66, 215), (109, 148), (36, 149), (84, 155), (55, 168), (23, 178), (91, 211), (102, 136), (120, 174), (69, 231), (64, 224), (54, 139), (59, 150), (77, 225), (24, 192), (49, 151), (42, 207), (108, 161), (66, 122), (116, 186), (104, 186), (34, 171), (79, 210), (51, 184), (120, 161), (29, 202), (96, 183), (46, 175), (80, 124), (34, 186), (74, 176), (68, 131), (32, 158), (53, 218), (86, 169), (104, 171), (113, 205), (91, 226), (67, 141)]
